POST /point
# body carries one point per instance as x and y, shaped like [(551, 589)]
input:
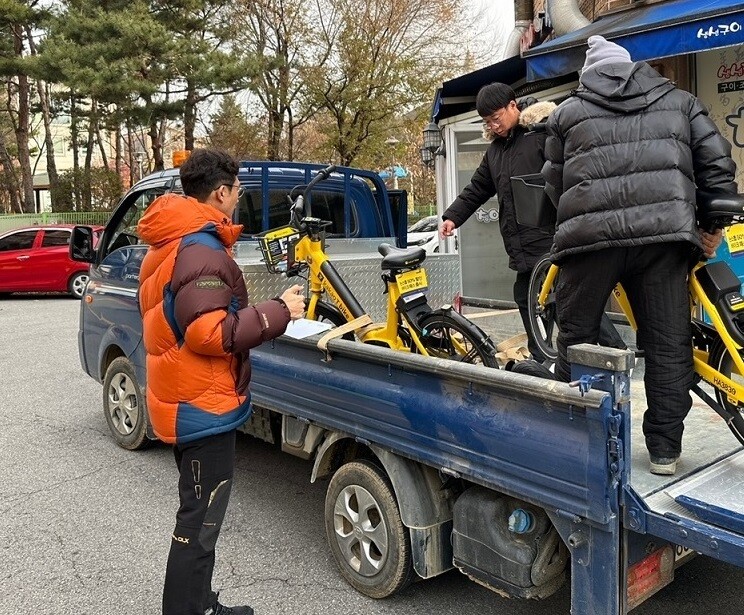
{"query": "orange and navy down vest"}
[(197, 324)]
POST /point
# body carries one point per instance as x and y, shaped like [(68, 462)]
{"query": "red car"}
[(36, 259)]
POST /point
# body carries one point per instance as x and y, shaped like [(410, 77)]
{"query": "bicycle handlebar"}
[(297, 209)]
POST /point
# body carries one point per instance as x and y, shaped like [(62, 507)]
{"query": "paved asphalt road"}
[(85, 525)]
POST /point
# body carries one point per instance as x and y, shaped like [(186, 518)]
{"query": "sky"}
[(498, 22)]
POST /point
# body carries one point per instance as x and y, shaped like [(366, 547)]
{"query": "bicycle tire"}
[(458, 339), (325, 312), (721, 360), (543, 321)]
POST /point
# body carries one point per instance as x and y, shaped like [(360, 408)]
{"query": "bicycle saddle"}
[(719, 210), (399, 258)]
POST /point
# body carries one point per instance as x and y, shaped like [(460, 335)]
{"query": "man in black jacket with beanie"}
[(625, 156)]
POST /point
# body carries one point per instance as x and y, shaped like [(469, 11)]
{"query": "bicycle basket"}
[(533, 207), (274, 244)]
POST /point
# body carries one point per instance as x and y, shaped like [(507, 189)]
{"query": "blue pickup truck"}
[(518, 482)]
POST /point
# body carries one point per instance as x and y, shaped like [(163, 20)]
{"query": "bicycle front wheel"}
[(721, 360), (325, 312), (447, 337), (543, 318)]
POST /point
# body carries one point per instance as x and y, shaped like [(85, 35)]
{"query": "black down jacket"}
[(521, 153), (624, 157)]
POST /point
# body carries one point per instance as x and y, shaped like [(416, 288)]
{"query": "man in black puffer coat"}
[(625, 156)]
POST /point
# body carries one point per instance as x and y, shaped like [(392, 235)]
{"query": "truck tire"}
[(124, 405), (370, 544)]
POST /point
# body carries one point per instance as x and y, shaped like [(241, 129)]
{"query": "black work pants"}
[(655, 280), (206, 472), (608, 335)]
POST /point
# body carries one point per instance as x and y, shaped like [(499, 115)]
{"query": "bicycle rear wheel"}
[(447, 336), (721, 360), (543, 320)]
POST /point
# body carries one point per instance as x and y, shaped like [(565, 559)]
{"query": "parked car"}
[(36, 259), (425, 234)]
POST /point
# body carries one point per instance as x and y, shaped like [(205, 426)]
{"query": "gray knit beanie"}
[(602, 51)]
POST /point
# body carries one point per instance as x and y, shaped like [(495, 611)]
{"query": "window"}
[(125, 233), (326, 205), (55, 238), (18, 241)]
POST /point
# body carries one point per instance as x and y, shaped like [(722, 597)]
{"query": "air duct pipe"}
[(523, 13), (565, 16)]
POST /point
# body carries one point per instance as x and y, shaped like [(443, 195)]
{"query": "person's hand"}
[(710, 242), (446, 229), (295, 301)]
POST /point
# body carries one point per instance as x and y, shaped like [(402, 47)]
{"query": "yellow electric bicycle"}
[(717, 310), (411, 324)]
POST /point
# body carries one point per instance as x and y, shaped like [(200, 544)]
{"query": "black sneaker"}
[(664, 466), (221, 609)]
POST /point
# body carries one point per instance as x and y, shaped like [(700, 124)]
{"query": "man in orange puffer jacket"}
[(198, 328)]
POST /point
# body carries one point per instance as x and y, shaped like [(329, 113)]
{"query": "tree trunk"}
[(46, 114), (22, 128), (117, 150), (74, 136), (157, 146), (48, 140), (11, 179), (90, 144), (130, 153), (102, 149), (189, 116), (290, 135)]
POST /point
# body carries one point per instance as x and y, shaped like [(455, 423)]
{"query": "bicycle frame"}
[(323, 276), (734, 391)]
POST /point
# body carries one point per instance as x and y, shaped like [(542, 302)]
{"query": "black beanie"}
[(493, 97)]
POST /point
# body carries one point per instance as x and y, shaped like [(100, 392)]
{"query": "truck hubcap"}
[(361, 532), (122, 404)]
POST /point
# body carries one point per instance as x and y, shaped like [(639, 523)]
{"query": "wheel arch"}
[(418, 488), (426, 508)]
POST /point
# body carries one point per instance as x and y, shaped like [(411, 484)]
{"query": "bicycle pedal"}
[(639, 353)]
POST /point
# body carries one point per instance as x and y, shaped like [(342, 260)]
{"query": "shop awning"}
[(458, 95), (648, 32)]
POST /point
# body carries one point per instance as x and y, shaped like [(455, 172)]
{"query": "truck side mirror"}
[(81, 245)]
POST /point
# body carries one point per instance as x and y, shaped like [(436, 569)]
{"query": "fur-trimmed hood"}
[(533, 114)]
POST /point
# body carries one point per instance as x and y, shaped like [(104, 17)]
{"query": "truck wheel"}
[(368, 540), (76, 285), (124, 405)]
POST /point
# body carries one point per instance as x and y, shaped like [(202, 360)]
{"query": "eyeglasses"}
[(241, 190), (496, 118)]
